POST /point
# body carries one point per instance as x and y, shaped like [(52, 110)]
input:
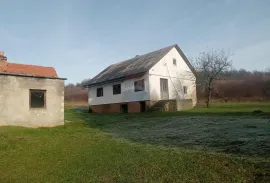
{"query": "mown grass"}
[(227, 109), (84, 151), (235, 107)]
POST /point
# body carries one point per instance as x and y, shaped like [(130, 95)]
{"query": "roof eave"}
[(186, 60), (115, 80), (32, 76)]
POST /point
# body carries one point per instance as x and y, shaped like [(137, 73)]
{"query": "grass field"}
[(227, 143)]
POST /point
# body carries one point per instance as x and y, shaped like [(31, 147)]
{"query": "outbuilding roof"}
[(30, 70), (25, 70), (136, 66)]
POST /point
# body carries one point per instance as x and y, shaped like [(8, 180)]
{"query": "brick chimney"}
[(3, 60)]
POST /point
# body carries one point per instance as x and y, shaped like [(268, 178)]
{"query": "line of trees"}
[(75, 92), (238, 85)]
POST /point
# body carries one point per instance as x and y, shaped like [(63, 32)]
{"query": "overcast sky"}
[(82, 37)]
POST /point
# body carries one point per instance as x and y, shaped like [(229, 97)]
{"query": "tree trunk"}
[(209, 93), (208, 97)]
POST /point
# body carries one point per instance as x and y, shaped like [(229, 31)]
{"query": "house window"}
[(117, 89), (139, 85), (99, 92), (37, 98), (174, 61), (185, 89)]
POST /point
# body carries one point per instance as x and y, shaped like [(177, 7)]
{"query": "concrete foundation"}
[(133, 107), (184, 104)]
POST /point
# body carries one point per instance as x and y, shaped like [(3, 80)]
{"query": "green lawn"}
[(142, 147)]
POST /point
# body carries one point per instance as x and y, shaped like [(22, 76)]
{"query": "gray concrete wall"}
[(14, 102), (184, 104)]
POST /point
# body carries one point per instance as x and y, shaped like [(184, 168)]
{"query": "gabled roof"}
[(136, 66), (30, 70), (25, 70)]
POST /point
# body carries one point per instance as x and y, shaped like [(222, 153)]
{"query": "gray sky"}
[(82, 37)]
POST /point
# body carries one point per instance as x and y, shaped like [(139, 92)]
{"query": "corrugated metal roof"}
[(132, 67)]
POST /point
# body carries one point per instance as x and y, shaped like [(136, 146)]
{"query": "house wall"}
[(178, 76), (15, 107), (127, 92)]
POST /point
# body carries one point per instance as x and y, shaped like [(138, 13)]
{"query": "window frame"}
[(185, 89), (138, 89), (102, 94), (174, 60), (44, 95), (114, 93)]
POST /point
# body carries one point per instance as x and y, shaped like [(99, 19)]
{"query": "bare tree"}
[(210, 66)]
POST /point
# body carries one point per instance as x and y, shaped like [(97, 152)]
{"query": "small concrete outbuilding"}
[(30, 96)]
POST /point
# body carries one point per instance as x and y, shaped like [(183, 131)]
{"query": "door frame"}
[(162, 91)]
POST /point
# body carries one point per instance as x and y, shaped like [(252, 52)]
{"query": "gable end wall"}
[(178, 76)]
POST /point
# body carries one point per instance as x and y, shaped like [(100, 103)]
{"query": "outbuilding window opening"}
[(37, 98)]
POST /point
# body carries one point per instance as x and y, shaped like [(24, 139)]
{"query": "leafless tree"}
[(211, 65), (267, 70)]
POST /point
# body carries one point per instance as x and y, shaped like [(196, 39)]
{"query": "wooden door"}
[(164, 89)]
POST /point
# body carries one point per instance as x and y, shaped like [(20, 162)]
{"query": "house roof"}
[(28, 70), (136, 66)]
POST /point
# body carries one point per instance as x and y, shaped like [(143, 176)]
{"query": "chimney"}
[(3, 59)]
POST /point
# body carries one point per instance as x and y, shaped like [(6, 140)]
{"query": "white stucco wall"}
[(178, 76), (127, 92)]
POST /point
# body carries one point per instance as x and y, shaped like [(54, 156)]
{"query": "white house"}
[(160, 79)]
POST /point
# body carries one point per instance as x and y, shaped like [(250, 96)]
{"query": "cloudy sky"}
[(82, 37)]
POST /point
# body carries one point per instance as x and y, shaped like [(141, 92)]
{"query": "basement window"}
[(174, 62), (99, 92), (139, 85), (117, 89), (124, 108), (37, 98), (185, 89)]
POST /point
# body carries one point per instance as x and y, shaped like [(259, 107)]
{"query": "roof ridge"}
[(157, 50), (130, 59), (29, 65)]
